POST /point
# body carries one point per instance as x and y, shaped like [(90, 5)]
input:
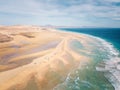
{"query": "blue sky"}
[(98, 13)]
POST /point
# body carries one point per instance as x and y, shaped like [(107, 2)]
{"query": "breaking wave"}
[(109, 67)]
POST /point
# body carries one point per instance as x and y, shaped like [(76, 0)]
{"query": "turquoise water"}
[(91, 77), (110, 34)]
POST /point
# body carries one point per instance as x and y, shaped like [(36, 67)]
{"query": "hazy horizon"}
[(88, 13)]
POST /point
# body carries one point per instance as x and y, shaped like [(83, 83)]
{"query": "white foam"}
[(112, 65), (118, 67)]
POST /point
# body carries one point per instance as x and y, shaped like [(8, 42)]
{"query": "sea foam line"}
[(112, 66)]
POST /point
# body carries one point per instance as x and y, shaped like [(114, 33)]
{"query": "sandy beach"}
[(39, 58)]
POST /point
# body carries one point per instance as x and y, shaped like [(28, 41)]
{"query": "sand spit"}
[(40, 58)]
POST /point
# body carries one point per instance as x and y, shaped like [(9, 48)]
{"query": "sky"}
[(91, 13)]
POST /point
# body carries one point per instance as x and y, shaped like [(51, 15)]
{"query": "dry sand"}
[(37, 58)]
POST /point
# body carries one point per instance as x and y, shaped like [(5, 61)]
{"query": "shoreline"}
[(59, 58), (110, 62)]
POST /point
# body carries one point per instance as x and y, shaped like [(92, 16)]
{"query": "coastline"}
[(110, 63), (53, 62)]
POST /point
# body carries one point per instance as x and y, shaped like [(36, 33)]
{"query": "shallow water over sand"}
[(101, 74)]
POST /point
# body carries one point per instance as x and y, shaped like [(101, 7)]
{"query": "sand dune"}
[(39, 58)]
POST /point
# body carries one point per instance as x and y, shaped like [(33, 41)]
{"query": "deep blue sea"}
[(99, 74), (110, 34)]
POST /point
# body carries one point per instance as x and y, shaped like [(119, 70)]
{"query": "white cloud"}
[(116, 18), (112, 0), (53, 9)]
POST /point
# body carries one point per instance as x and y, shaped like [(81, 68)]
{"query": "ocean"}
[(103, 72), (110, 34)]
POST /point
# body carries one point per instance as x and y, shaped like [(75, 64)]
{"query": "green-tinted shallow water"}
[(87, 77)]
